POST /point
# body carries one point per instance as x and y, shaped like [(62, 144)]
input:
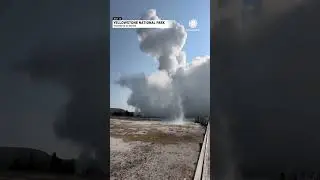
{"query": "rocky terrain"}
[(153, 149)]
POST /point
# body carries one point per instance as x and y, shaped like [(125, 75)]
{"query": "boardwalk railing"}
[(203, 166)]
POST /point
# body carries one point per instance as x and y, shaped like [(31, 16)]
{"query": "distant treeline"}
[(202, 120), (132, 114), (300, 176), (123, 113), (56, 165)]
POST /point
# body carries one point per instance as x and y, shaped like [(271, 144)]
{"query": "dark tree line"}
[(124, 113), (56, 165), (19, 164), (202, 120), (300, 176)]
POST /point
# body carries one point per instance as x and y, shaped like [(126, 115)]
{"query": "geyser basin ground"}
[(153, 149)]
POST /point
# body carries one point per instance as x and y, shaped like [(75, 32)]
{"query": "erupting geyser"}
[(179, 89)]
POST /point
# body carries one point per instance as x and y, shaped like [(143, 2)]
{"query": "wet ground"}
[(154, 150)]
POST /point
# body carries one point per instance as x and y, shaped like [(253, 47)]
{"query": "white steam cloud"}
[(178, 88)]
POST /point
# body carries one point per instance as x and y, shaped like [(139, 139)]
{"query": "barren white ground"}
[(153, 150)]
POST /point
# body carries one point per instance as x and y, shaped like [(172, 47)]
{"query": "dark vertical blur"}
[(265, 76), (54, 69)]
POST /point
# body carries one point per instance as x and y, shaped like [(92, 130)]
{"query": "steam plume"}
[(178, 87), (77, 68)]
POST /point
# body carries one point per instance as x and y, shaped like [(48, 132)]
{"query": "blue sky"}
[(126, 57)]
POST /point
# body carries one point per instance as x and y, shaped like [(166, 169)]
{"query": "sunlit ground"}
[(154, 149)]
